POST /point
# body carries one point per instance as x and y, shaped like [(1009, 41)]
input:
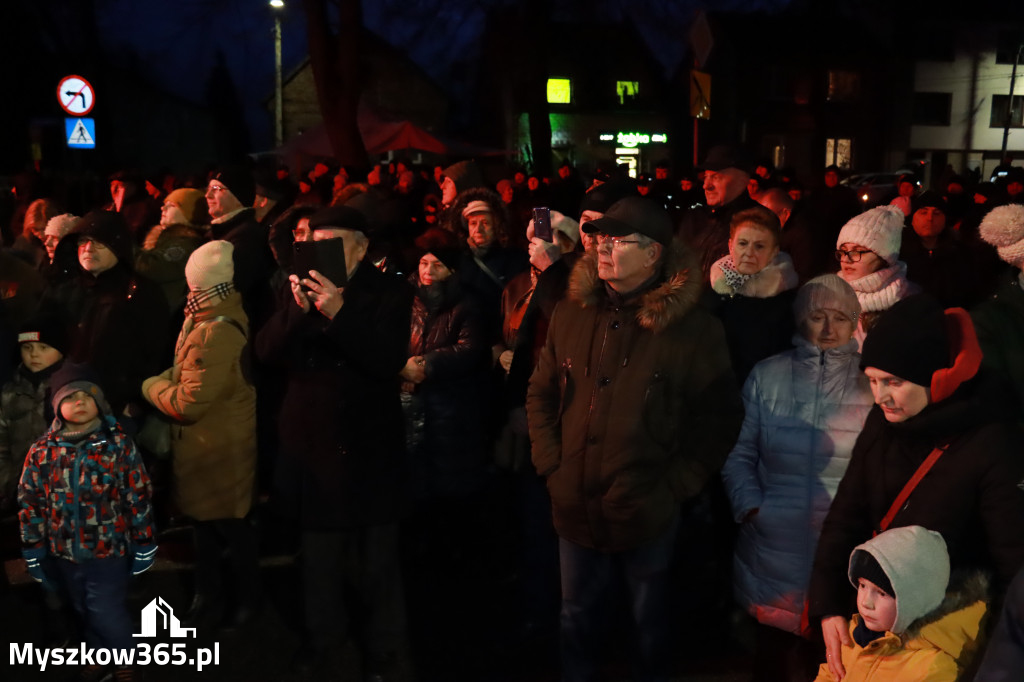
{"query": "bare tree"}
[(334, 58)]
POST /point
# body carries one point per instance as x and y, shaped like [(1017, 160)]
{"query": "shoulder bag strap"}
[(224, 318), (901, 499)]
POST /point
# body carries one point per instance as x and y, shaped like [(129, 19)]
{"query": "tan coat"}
[(213, 406)]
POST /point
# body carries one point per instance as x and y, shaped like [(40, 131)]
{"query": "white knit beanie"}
[(1003, 228), (60, 225), (210, 265), (826, 291), (880, 229)]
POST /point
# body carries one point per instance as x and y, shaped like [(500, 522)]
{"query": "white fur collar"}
[(777, 276)]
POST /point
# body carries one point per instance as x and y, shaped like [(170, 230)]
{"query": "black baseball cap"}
[(634, 214), (725, 156)]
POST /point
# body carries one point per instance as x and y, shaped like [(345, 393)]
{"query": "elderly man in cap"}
[(632, 409), (342, 471), (726, 173)]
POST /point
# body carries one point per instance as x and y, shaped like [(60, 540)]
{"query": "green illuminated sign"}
[(634, 139)]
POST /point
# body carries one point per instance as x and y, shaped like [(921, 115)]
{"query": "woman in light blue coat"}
[(804, 410)]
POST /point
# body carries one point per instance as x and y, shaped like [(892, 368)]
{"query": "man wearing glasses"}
[(632, 408)]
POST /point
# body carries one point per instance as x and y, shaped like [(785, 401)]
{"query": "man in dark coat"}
[(342, 471), (706, 228), (632, 409)]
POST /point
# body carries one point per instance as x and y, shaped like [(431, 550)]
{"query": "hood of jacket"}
[(658, 307)]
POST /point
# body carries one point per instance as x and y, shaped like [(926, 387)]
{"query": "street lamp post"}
[(278, 7), (1009, 105)]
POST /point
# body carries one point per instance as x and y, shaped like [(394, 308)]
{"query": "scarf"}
[(733, 278), (197, 300), (880, 290)]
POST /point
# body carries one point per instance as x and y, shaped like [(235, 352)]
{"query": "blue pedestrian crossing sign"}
[(81, 133)]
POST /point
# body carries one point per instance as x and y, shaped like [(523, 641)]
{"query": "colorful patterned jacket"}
[(85, 500)]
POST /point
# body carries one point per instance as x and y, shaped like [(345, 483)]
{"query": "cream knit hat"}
[(209, 265), (826, 291), (880, 229), (1003, 228)]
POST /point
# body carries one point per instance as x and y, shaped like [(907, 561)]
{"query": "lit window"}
[(627, 91), (559, 91), (839, 152)]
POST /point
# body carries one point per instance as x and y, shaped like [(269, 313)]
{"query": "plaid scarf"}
[(197, 300)]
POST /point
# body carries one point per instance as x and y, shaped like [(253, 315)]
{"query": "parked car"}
[(874, 189)]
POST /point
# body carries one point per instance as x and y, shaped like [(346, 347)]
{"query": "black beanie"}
[(110, 229), (909, 340), (45, 328), (864, 565), (239, 181), (601, 198), (73, 377), (444, 245), (929, 199)]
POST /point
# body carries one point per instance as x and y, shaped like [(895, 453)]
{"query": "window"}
[(843, 86), (932, 108), (627, 91), (1007, 44), (998, 116), (838, 151), (559, 91)]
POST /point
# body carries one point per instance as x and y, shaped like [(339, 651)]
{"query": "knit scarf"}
[(197, 300), (881, 289), (733, 278)]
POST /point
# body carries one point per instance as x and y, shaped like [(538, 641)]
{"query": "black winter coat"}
[(446, 331), (971, 495), (342, 458), (253, 261), (706, 229)]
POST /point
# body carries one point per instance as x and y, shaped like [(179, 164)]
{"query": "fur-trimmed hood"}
[(660, 306), (964, 590)]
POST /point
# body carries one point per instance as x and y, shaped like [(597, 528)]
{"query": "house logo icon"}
[(158, 616)]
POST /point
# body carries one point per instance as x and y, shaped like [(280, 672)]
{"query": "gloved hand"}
[(143, 558), (34, 561)]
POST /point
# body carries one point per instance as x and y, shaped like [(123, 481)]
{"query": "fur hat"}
[(344, 217), (209, 265), (192, 203), (60, 225), (826, 291), (444, 246), (566, 225), (72, 377), (879, 229), (45, 328), (108, 228), (465, 175), (910, 340), (1003, 228), (915, 563)]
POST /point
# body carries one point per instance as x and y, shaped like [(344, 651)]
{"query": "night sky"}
[(175, 42)]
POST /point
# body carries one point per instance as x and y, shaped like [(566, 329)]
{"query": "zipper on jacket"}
[(75, 501)]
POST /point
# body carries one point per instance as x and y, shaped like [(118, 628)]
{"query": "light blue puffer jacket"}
[(804, 410)]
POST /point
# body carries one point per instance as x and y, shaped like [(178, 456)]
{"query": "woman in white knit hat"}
[(211, 403), (804, 410), (868, 253), (1000, 320)]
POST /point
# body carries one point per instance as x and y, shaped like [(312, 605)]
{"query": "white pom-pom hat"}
[(880, 229), (1003, 228)]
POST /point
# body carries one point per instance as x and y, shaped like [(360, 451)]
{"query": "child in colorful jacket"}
[(86, 519), (909, 628)]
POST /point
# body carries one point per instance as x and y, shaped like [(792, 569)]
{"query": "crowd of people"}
[(834, 393)]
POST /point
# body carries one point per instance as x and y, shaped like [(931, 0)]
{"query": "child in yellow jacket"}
[(908, 628)]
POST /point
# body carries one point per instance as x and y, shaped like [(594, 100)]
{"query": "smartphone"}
[(542, 224), (326, 256)]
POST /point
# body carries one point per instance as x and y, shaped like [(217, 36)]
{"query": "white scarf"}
[(881, 289)]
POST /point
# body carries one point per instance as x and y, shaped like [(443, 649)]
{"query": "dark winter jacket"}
[(633, 405), (88, 499), (706, 229), (120, 328), (947, 272), (1004, 655), (999, 322), (253, 261), (971, 495), (341, 424), (22, 422), (446, 331)]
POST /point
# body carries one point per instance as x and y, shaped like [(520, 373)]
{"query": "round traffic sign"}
[(75, 95)]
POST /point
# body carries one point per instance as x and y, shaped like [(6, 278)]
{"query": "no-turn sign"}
[(75, 95)]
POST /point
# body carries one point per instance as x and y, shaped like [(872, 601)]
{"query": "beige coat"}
[(213, 406)]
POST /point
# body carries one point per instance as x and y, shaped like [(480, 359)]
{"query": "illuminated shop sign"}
[(634, 139)]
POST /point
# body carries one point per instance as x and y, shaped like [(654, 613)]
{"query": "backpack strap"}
[(224, 318), (901, 499)]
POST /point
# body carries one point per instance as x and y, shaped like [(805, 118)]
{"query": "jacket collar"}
[(658, 307)]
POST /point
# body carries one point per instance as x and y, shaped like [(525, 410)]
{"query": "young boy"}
[(86, 519), (908, 628), (42, 340)]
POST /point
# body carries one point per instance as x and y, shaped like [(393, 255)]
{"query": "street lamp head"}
[(277, 4)]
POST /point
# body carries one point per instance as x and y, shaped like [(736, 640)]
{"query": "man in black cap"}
[(632, 409), (726, 173), (230, 195), (341, 472)]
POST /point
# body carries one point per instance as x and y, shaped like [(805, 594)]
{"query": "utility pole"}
[(1009, 104), (278, 7)]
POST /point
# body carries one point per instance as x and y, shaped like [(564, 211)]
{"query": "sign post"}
[(77, 98)]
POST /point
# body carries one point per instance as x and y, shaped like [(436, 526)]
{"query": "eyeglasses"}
[(82, 241), (616, 242), (850, 256)]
